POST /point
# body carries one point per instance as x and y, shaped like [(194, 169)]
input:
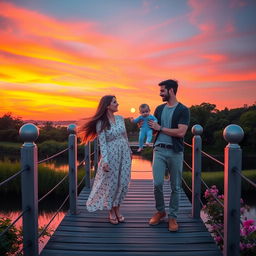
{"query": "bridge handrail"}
[(13, 223), (246, 179), (189, 167), (57, 212), (50, 191), (213, 158), (13, 176), (51, 157)]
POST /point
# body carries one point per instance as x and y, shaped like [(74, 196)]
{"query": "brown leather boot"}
[(157, 218), (173, 225)]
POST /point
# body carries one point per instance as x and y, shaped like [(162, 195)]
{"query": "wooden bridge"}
[(91, 233)]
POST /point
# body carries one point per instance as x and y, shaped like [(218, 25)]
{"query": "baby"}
[(145, 130)]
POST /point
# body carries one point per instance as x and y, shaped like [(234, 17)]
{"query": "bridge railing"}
[(29, 183), (233, 134), (232, 165)]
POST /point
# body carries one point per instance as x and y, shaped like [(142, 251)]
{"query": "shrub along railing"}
[(233, 134)]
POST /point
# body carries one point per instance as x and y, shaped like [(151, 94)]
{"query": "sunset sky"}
[(58, 58)]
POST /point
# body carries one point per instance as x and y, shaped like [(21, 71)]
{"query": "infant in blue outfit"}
[(145, 130)]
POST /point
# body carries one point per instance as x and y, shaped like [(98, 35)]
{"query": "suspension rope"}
[(45, 228), (186, 185), (49, 192), (80, 182), (13, 176), (81, 163), (189, 167), (13, 223), (213, 158), (48, 158), (245, 178), (189, 145)]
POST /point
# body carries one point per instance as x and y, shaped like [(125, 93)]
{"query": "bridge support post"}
[(96, 154), (72, 161), (197, 130), (29, 188), (87, 151), (233, 134)]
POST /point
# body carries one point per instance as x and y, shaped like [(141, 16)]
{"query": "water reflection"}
[(43, 220), (141, 168)]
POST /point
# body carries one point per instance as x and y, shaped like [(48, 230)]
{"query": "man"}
[(173, 121)]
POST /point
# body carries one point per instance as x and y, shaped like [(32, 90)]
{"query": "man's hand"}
[(154, 125), (140, 123), (105, 167)]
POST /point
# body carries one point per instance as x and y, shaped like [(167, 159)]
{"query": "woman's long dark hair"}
[(87, 131)]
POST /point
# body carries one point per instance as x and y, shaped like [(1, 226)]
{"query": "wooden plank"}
[(91, 233)]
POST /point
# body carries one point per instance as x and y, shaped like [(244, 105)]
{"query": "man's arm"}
[(175, 132)]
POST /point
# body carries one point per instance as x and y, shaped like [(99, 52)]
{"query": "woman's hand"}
[(105, 167)]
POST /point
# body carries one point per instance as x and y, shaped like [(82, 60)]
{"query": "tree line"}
[(207, 115)]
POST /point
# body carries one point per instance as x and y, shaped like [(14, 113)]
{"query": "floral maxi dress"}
[(110, 188)]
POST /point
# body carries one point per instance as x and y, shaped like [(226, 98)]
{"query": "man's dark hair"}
[(170, 84)]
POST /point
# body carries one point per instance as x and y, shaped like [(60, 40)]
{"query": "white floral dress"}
[(110, 188)]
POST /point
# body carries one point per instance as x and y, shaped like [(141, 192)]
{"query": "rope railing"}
[(13, 176), (13, 223), (189, 145), (81, 163), (213, 158), (187, 186), (80, 182), (45, 228), (51, 157), (245, 178), (189, 167), (50, 191)]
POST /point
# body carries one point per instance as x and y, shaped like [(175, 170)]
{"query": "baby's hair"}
[(143, 106)]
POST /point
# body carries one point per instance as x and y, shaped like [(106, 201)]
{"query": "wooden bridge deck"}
[(91, 233)]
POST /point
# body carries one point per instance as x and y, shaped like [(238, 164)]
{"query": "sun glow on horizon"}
[(60, 71)]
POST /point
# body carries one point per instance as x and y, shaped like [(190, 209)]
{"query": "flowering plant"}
[(215, 212)]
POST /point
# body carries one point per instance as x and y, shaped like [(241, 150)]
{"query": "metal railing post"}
[(233, 134), (87, 151), (72, 160), (197, 130), (29, 188), (96, 154)]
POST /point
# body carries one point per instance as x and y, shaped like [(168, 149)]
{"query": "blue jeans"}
[(172, 161), (145, 133)]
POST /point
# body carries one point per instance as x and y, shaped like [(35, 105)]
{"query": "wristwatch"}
[(161, 128)]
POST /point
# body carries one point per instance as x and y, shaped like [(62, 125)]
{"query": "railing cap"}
[(72, 129), (233, 134), (197, 129), (29, 132)]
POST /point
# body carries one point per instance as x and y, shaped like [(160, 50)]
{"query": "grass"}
[(217, 178), (47, 179)]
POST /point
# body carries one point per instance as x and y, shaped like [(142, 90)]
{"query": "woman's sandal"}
[(120, 218), (113, 221)]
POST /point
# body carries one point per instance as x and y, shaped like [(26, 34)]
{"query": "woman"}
[(113, 176)]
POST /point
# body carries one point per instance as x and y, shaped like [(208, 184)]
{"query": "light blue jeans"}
[(172, 161), (145, 133)]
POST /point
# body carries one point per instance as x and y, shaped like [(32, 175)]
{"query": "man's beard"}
[(166, 98)]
